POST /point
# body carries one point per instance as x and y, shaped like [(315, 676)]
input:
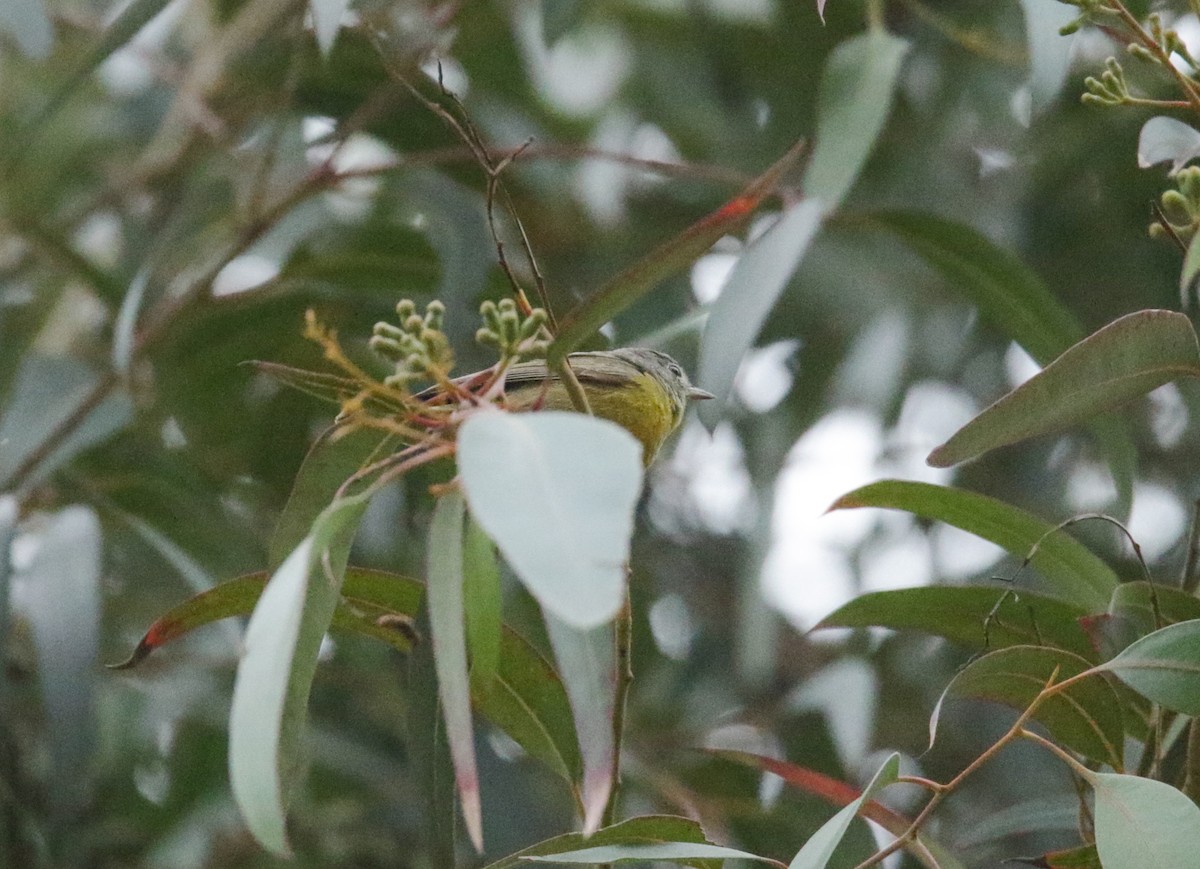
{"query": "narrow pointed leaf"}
[(526, 699), (670, 852), (853, 103), (1072, 572), (483, 605), (1164, 667), (445, 591), (977, 617), (588, 663), (1126, 359), (642, 830), (274, 677), (669, 258), (818, 850), (748, 296), (1086, 717), (1144, 824), (563, 524)]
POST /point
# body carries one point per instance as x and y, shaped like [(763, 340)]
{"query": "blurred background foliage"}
[(180, 180)]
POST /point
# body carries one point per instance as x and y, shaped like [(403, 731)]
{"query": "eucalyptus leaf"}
[(1144, 824), (1164, 666), (1164, 140), (818, 850), (563, 524), (1126, 359)]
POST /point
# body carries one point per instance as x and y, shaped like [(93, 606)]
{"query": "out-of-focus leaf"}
[(1086, 717), (526, 699), (325, 386), (270, 695), (587, 661), (48, 391), (1149, 607), (1081, 857), (563, 524), (327, 20), (668, 258), (428, 751), (1187, 274), (559, 17), (1165, 140), (972, 616), (1164, 667), (1014, 299), (483, 605), (9, 511), (818, 850), (1072, 572), (329, 463), (853, 102), (1144, 824), (30, 26), (670, 852), (747, 298), (643, 830), (59, 594), (923, 848), (1049, 52), (444, 560), (1127, 358)]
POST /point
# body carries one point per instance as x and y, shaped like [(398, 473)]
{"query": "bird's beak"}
[(695, 393)]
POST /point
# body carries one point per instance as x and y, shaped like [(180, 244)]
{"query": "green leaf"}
[(818, 850), (671, 852), (327, 21), (1081, 857), (270, 694), (527, 700), (747, 298), (1017, 302), (30, 26), (1164, 667), (588, 663), (1144, 824), (1086, 717), (969, 616), (1072, 572), (1187, 275), (563, 524), (483, 605), (854, 100), (668, 258), (330, 462), (445, 591), (1138, 609), (1127, 358), (643, 830)]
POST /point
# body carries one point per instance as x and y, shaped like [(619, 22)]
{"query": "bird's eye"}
[(675, 369)]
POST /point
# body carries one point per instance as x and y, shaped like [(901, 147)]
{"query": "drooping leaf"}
[(973, 616), (1164, 667), (1126, 359), (274, 677), (747, 298), (853, 103), (1086, 717), (483, 605), (563, 524), (818, 850), (1144, 824), (1072, 572), (670, 257), (587, 661), (642, 830), (669, 852), (444, 560), (526, 700)]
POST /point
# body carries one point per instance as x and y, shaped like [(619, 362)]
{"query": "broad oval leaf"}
[(1164, 667), (1127, 358), (747, 298), (556, 492), (1072, 572), (853, 102), (1144, 824), (977, 617), (274, 677), (1017, 302), (818, 850), (1086, 717), (1167, 140)]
